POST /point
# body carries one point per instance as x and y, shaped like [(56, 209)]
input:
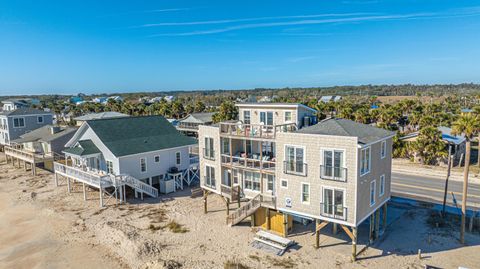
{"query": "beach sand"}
[(43, 226)]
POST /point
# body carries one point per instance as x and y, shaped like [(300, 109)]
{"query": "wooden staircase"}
[(250, 208)]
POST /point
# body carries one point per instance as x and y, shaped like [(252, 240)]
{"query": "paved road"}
[(430, 188)]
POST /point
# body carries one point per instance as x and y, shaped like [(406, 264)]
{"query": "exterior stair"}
[(139, 185), (245, 210)]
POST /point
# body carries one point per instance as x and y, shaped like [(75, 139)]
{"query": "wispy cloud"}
[(300, 59), (225, 21), (297, 22)]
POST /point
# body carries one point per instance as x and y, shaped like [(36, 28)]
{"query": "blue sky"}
[(123, 46)]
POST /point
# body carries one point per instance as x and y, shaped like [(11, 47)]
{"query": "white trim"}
[(304, 159), (376, 141), (154, 157), (266, 117), (180, 147), (344, 158), (301, 193), (369, 148), (293, 212), (243, 116), (374, 192), (281, 180), (40, 117), (275, 105), (28, 115), (291, 116)]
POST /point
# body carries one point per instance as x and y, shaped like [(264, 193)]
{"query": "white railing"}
[(255, 130), (139, 185), (249, 208), (248, 162), (25, 155), (86, 177)]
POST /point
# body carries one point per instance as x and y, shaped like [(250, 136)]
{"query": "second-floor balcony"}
[(240, 129), (295, 168), (333, 173), (333, 211), (187, 126), (252, 161)]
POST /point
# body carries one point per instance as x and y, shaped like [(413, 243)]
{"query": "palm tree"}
[(468, 125)]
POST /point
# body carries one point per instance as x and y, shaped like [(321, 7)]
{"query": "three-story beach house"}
[(286, 165)]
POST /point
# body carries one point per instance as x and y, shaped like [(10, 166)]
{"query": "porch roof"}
[(83, 148)]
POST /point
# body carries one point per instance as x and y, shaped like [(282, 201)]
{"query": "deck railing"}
[(255, 130), (247, 162), (87, 177), (250, 208), (295, 168), (333, 211), (333, 173), (25, 155)]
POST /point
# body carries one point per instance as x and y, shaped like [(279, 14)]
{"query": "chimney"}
[(54, 129)]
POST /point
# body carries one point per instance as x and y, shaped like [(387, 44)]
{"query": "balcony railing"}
[(26, 155), (188, 126), (295, 168), (248, 162), (333, 173), (209, 154), (212, 183), (255, 130), (333, 211)]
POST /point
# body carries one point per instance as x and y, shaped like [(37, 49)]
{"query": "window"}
[(227, 178), (225, 146), (210, 176), (246, 116), (332, 205), (208, 151), (178, 158), (383, 151), (266, 117), (305, 193), (248, 146), (252, 181), (156, 159), (373, 186), (333, 164), (40, 119), (382, 185), (294, 160), (365, 161), (143, 165), (18, 122), (284, 183), (288, 116), (109, 167), (270, 182)]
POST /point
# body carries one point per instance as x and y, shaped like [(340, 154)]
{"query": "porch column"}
[(377, 223), (68, 185), (205, 194), (371, 228), (267, 216), (101, 196), (334, 228), (317, 233), (34, 170), (56, 179), (285, 225), (354, 244), (384, 220), (84, 192), (227, 202)]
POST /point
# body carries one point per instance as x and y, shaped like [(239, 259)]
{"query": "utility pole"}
[(448, 176)]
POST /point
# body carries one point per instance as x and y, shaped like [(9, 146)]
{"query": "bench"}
[(196, 192), (273, 240)]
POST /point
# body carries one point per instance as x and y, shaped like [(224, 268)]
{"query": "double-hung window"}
[(305, 193), (294, 160), (288, 116), (333, 203), (40, 119), (333, 165), (178, 158), (383, 150), (210, 176), (373, 190), (382, 186), (208, 150), (252, 181), (109, 167), (270, 182), (143, 165), (266, 117), (18, 122), (225, 146), (365, 161), (246, 116)]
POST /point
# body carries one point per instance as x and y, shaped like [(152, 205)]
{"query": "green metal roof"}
[(132, 135), (84, 147)]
